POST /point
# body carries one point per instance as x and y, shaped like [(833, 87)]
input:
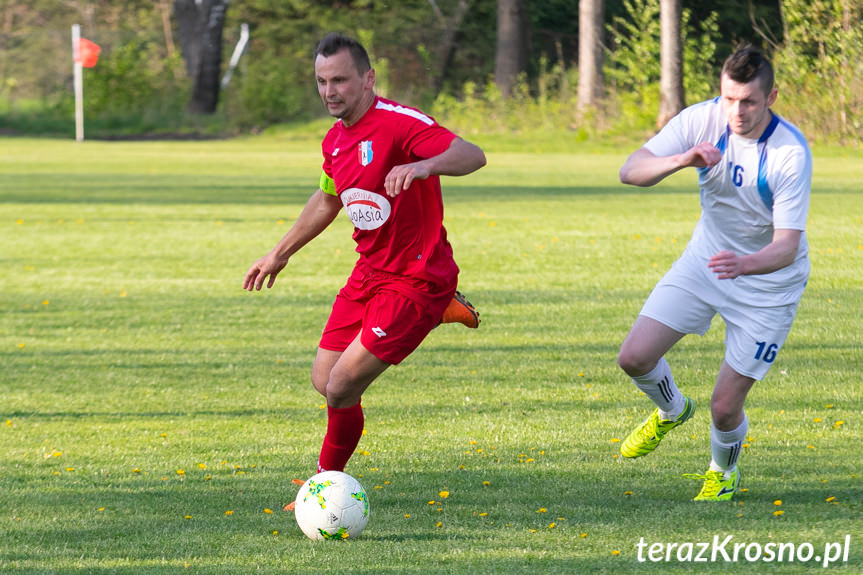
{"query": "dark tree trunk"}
[(447, 44), (200, 25), (590, 25), (512, 43), (672, 98)]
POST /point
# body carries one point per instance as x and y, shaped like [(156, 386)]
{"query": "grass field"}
[(152, 413)]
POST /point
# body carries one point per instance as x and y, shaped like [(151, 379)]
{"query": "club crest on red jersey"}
[(366, 153)]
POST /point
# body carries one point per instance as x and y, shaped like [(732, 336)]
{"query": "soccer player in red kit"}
[(382, 163)]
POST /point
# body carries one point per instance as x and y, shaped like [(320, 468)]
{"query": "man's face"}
[(746, 106), (344, 91)]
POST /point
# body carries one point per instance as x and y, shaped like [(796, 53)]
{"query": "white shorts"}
[(688, 297)]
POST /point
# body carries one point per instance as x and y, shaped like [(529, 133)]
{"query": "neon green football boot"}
[(646, 437), (718, 486)]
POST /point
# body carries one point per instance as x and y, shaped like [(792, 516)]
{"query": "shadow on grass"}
[(196, 189)]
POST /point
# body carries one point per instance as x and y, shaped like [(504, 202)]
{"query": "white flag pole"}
[(79, 84)]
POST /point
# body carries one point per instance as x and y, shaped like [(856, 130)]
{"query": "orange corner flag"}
[(88, 53)]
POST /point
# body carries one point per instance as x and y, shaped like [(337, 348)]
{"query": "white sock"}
[(659, 386), (725, 446)]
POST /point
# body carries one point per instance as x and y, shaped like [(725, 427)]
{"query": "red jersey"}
[(402, 235)]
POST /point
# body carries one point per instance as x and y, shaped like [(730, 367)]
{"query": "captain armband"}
[(328, 186)]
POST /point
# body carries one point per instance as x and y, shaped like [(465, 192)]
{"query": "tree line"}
[(591, 66)]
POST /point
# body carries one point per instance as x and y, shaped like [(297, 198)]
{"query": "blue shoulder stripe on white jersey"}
[(417, 115), (763, 187)]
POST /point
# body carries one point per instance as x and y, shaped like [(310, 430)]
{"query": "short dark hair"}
[(335, 42), (748, 63)]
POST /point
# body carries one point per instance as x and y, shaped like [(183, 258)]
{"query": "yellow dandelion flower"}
[(533, 530), (46, 302), (778, 513), (817, 420), (187, 517), (70, 469), (615, 440), (443, 494), (627, 492), (229, 512), (439, 524), (20, 346), (552, 525), (583, 535), (275, 532), (541, 510), (136, 470), (432, 502), (486, 483), (616, 552), (202, 465), (777, 502), (830, 499), (483, 514), (268, 511), (181, 473), (407, 515)]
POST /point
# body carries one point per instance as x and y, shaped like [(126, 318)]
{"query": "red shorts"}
[(394, 313)]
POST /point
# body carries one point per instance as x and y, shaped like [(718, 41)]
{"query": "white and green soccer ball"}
[(332, 505)]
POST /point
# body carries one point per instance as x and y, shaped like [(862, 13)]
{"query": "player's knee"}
[(725, 416), (634, 363), (340, 389), (319, 382)]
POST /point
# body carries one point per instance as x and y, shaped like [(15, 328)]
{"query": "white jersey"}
[(758, 186)]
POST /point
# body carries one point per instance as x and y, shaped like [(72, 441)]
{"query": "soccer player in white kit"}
[(747, 259)]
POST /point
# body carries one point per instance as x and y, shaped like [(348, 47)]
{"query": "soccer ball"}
[(332, 505)]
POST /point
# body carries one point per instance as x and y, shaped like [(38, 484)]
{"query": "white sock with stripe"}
[(725, 446), (658, 385)]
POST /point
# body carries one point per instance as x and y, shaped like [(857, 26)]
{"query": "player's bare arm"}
[(459, 159), (319, 212), (774, 256), (643, 168)]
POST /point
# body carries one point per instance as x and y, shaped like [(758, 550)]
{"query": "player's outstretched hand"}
[(401, 177), (703, 155), (268, 265), (726, 265)]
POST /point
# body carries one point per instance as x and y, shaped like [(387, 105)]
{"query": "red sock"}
[(344, 429)]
